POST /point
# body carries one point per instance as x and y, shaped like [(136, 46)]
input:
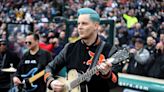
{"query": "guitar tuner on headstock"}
[(120, 64), (125, 61), (120, 56)]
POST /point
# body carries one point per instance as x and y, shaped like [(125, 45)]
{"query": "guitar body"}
[(72, 74), (27, 84), (28, 79), (30, 86)]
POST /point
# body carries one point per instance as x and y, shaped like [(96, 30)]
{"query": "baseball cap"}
[(139, 40)]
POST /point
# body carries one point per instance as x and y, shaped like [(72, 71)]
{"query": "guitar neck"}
[(37, 76), (84, 77)]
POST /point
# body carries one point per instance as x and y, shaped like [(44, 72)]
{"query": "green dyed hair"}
[(94, 16)]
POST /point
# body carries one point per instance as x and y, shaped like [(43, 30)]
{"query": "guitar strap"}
[(97, 54)]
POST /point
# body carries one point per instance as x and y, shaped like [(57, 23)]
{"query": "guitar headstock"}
[(120, 56)]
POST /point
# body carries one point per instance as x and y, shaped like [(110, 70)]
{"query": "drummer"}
[(7, 58)]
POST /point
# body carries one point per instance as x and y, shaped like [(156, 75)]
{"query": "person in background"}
[(79, 56), (156, 65), (43, 43), (138, 61), (57, 48), (62, 38), (34, 60), (7, 59), (150, 45), (130, 18), (74, 36)]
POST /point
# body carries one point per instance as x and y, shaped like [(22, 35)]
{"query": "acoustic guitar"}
[(73, 79)]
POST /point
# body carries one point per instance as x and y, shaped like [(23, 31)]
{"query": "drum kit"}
[(11, 69)]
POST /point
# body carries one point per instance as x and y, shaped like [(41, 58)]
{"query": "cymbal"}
[(11, 69)]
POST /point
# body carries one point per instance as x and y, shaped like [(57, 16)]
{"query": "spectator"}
[(62, 38), (74, 36), (150, 45), (102, 31), (136, 32), (122, 36), (44, 43), (130, 18), (157, 63), (138, 61)]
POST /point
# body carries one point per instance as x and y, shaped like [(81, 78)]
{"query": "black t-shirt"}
[(29, 63)]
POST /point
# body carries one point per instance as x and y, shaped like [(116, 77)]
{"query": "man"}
[(35, 58), (130, 18), (7, 58), (157, 61), (79, 56), (139, 61), (150, 45)]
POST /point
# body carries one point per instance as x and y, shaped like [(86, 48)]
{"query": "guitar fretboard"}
[(37, 76)]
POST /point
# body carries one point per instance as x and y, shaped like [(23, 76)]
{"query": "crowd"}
[(139, 27)]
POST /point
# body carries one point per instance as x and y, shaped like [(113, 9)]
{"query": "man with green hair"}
[(78, 57)]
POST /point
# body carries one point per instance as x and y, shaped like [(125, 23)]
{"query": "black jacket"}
[(78, 56)]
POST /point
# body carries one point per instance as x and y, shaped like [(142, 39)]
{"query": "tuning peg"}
[(124, 62), (119, 64), (127, 60)]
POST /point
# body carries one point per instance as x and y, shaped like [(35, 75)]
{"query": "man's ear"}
[(96, 25)]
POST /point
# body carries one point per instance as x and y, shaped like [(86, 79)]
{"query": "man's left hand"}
[(105, 67)]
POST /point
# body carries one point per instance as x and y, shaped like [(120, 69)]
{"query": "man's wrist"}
[(49, 83), (107, 75)]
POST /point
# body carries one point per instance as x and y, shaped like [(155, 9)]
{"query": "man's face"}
[(150, 41), (31, 43), (138, 45), (2, 47), (62, 35), (162, 37), (86, 27)]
